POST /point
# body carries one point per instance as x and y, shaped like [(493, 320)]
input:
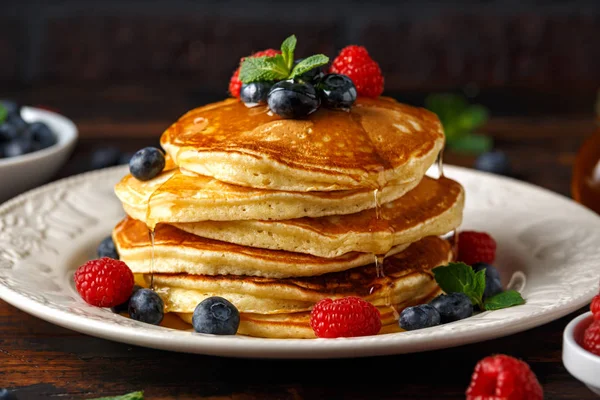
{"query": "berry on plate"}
[(217, 316), (493, 283), (107, 248), (235, 85), (124, 307), (346, 317), (502, 377), (452, 307), (475, 247), (145, 305), (356, 63), (104, 282), (595, 307), (146, 163), (591, 338), (419, 317)]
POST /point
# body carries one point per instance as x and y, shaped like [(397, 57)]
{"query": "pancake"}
[(377, 142), (406, 276), (176, 196), (176, 251), (433, 208)]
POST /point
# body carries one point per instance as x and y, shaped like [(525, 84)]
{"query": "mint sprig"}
[(129, 396), (461, 278), (3, 113), (504, 299), (280, 66)]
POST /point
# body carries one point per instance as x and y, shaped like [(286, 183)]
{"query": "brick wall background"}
[(547, 47)]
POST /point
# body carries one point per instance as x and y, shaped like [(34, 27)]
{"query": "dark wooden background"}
[(124, 70)]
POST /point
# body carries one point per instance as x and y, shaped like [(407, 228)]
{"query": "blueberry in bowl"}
[(34, 144)]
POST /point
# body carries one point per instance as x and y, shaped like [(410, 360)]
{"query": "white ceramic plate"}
[(547, 244)]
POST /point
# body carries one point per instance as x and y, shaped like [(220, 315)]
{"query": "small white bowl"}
[(21, 173), (580, 363)]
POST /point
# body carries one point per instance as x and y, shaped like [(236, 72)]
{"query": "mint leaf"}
[(287, 51), (309, 63), (473, 117), (254, 69), (447, 106), (460, 278), (128, 396), (504, 299), (3, 113), (471, 143)]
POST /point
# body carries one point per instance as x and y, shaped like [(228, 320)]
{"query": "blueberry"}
[(7, 395), (17, 121), (12, 107), (17, 147), (496, 162), (41, 135), (124, 307), (453, 307), (493, 283), (419, 317), (312, 75), (146, 306), (255, 92), (337, 91), (291, 99), (107, 248), (105, 157), (8, 132), (217, 316), (146, 163)]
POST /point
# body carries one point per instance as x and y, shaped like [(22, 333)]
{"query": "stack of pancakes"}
[(276, 214)]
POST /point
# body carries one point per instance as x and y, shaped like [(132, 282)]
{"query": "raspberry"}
[(235, 84), (591, 338), (104, 282), (346, 317), (355, 62), (475, 247), (595, 307), (501, 377)]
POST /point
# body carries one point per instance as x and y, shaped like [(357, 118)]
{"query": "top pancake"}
[(378, 141)]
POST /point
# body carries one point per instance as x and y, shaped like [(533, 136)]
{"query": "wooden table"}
[(44, 361)]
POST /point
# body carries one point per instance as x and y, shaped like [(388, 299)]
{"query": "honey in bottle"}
[(585, 183)]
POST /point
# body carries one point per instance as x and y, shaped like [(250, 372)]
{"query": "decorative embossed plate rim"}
[(47, 232)]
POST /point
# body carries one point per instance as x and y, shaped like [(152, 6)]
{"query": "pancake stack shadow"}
[(276, 214)]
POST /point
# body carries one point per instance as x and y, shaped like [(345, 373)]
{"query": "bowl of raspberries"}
[(581, 347)]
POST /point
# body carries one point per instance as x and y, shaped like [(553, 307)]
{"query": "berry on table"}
[(475, 247), (216, 315), (501, 377), (591, 338), (452, 307), (291, 99), (337, 91), (346, 317), (6, 394), (105, 157), (104, 282), (495, 162), (147, 163), (255, 93), (235, 84), (595, 307), (419, 317), (355, 62), (146, 306), (493, 283), (107, 248)]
